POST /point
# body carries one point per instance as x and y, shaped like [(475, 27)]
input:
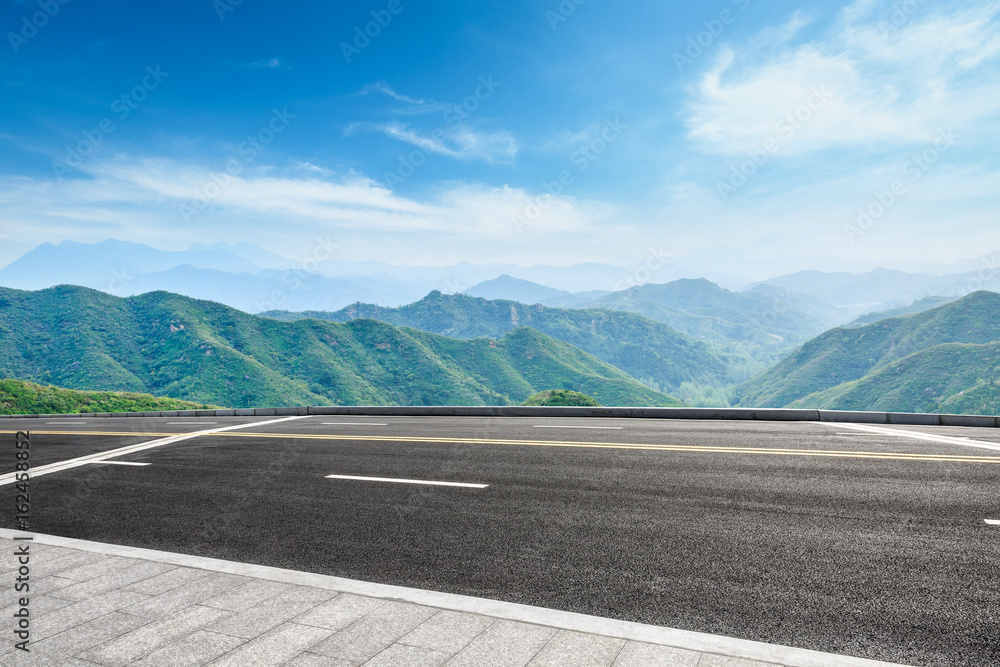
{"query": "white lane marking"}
[(121, 463), (615, 428), (992, 522), (407, 481), (9, 478), (352, 424), (65, 422), (188, 423), (916, 435)]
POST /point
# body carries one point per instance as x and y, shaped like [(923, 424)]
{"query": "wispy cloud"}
[(142, 198), (458, 142), (384, 88), (891, 79), (458, 135)]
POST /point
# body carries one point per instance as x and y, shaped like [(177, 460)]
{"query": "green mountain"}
[(175, 346), (28, 398), (952, 378), (916, 362), (650, 351)]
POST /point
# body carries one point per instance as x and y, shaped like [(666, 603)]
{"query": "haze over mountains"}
[(250, 278)]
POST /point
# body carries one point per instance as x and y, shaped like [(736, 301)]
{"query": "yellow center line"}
[(897, 456)]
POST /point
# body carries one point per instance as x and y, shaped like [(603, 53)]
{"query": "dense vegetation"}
[(170, 345), (649, 351), (28, 398), (949, 378), (943, 359), (561, 397)]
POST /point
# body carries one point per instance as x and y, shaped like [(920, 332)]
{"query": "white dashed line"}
[(613, 428), (992, 522), (122, 463), (407, 481), (352, 424)]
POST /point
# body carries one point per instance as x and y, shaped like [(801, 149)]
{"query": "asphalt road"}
[(825, 537)]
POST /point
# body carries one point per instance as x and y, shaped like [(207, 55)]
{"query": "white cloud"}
[(384, 88), (141, 200), (890, 79)]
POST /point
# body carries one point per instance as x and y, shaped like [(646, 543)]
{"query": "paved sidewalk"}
[(97, 604)]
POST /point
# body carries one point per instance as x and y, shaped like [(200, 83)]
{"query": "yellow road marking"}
[(897, 456)]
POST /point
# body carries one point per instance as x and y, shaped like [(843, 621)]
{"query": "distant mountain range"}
[(764, 316), (881, 289), (171, 345), (944, 359), (245, 276), (645, 349)]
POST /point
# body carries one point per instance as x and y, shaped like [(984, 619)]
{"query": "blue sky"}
[(785, 129)]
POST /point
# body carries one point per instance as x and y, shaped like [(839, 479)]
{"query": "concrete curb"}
[(696, 641), (716, 414)]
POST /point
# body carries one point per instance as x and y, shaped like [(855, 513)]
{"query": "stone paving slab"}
[(109, 606)]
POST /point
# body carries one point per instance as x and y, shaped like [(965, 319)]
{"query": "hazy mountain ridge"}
[(914, 308), (171, 345), (877, 364), (770, 319)]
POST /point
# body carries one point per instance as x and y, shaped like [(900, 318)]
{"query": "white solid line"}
[(916, 435), (992, 522), (65, 422), (352, 424), (194, 420), (616, 428), (122, 463), (407, 481), (562, 620), (121, 451)]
